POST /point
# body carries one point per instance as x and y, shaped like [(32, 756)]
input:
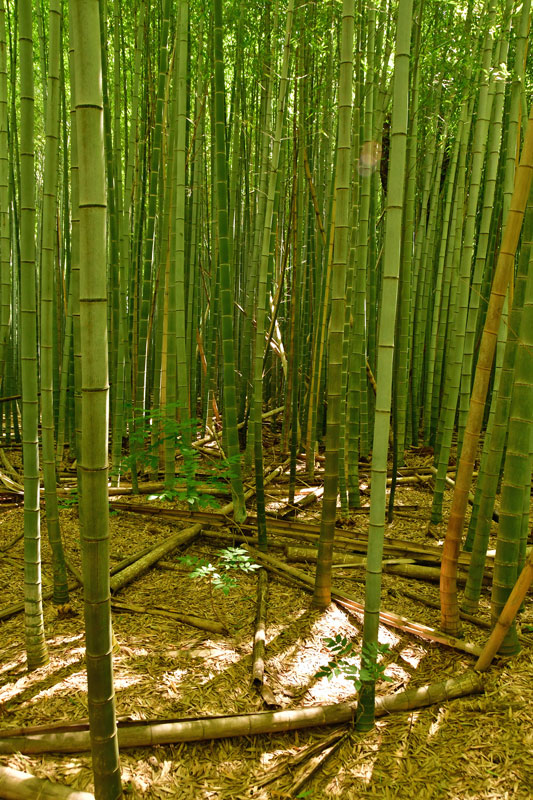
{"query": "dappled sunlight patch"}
[(398, 673), (412, 655), (51, 672), (172, 681), (435, 726)]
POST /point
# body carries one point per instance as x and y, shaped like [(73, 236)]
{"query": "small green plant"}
[(231, 559), (144, 453), (70, 500), (343, 650)]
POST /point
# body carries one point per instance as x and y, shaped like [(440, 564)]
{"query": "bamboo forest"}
[(266, 399)]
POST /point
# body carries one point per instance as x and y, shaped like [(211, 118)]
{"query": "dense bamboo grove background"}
[(208, 211)]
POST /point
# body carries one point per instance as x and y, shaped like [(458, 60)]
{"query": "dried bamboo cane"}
[(16, 785), (258, 655), (307, 753), (187, 619), (306, 772)]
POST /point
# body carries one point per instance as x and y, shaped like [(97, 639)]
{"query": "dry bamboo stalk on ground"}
[(481, 623), (142, 565), (301, 531), (351, 605), (305, 753), (187, 619), (302, 501), (196, 729), (307, 770), (16, 785), (258, 655)]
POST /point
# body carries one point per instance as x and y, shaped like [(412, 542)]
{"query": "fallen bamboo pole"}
[(197, 729), (258, 655), (162, 611), (142, 565), (305, 531), (16, 785)]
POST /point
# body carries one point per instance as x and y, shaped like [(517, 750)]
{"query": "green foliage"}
[(69, 501), (343, 650), (231, 559), (144, 453)]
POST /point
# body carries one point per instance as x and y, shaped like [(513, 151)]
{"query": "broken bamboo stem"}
[(187, 619)]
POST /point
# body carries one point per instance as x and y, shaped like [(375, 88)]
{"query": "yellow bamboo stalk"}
[(503, 272)]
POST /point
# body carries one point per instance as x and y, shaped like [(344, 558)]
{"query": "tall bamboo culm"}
[(94, 513)]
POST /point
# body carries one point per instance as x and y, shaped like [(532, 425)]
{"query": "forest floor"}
[(479, 747)]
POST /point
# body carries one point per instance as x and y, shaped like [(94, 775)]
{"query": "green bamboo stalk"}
[(5, 245), (94, 509), (386, 346), (36, 650), (226, 281), (48, 343), (322, 592), (263, 279)]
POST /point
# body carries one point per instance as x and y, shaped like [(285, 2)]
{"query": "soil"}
[(474, 748)]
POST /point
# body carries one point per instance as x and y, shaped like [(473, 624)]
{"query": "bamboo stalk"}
[(196, 729), (17, 785), (258, 655), (139, 567), (507, 615), (162, 611)]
